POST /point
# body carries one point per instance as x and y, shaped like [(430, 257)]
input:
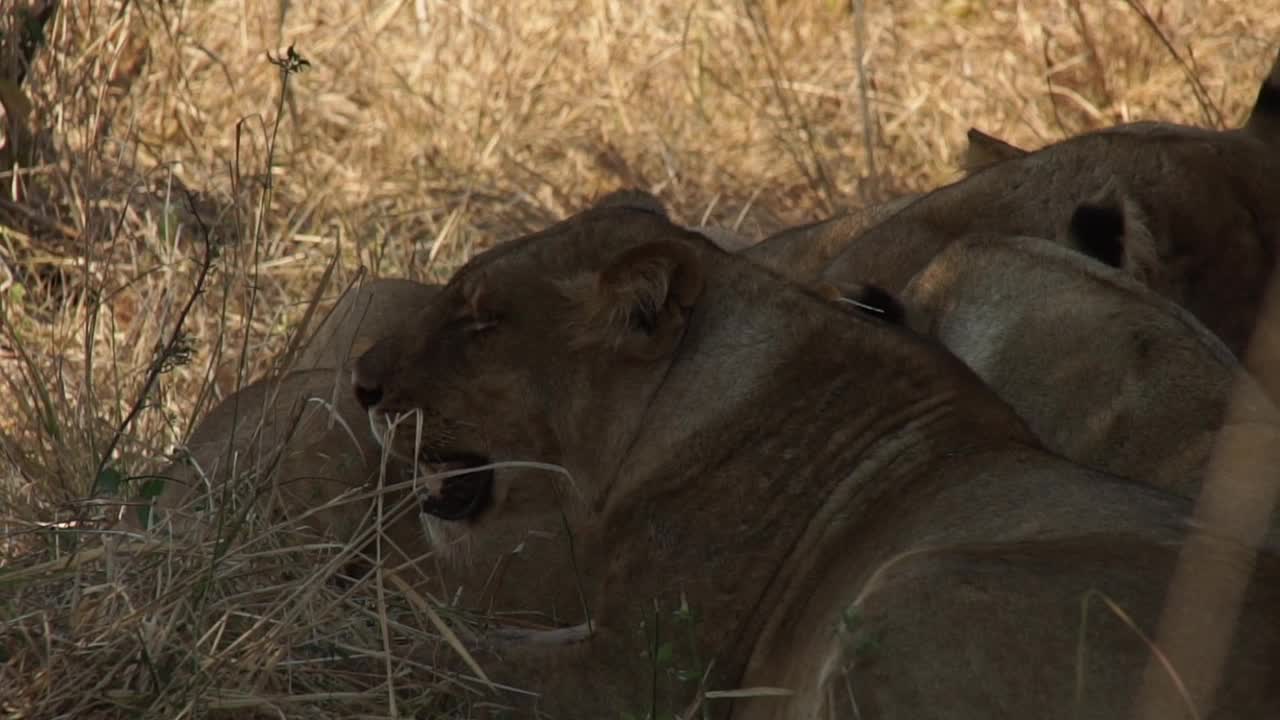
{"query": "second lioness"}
[(1209, 199), (297, 448)]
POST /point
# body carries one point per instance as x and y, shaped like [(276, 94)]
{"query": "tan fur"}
[(366, 312), (1103, 370), (724, 238), (850, 511), (802, 253), (1209, 199)]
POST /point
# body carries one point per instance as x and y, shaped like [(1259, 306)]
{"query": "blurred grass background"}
[(144, 133)]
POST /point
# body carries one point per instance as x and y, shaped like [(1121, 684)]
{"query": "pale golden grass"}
[(420, 133)]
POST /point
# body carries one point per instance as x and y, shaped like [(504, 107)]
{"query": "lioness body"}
[(292, 448), (744, 449), (1104, 371), (802, 253), (295, 445), (363, 315)]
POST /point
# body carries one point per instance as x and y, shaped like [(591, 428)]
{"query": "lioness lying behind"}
[(365, 313), (1207, 197), (769, 493), (298, 447), (802, 253), (295, 451)]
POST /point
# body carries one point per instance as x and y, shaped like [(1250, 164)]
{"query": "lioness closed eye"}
[(794, 479)]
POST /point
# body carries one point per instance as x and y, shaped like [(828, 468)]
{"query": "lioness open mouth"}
[(459, 497)]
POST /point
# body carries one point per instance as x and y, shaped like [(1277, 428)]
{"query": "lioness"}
[(778, 495), (1103, 370), (1209, 199), (364, 313), (297, 449), (296, 446)]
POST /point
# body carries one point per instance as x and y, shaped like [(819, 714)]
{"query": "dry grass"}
[(421, 132)]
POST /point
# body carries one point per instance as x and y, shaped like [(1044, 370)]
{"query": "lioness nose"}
[(368, 393)]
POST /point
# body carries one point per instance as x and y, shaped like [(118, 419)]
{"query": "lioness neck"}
[(804, 385), (809, 417)]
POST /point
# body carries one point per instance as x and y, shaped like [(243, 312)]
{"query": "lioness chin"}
[(834, 506)]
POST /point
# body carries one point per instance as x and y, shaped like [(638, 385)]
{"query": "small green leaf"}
[(867, 646), (665, 654), (151, 488), (851, 618), (169, 223)]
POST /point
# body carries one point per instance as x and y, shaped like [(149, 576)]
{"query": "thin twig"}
[(817, 176), (1212, 114), (858, 8), (171, 348)]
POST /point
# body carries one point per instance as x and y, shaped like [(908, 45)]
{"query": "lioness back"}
[(364, 314), (920, 619)]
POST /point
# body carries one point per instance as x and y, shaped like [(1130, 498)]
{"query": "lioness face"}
[(544, 349)]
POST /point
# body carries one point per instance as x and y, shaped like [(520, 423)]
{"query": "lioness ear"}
[(870, 300), (1098, 231), (642, 301), (984, 150), (1111, 228)]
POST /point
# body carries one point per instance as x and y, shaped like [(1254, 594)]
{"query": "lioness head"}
[(504, 364)]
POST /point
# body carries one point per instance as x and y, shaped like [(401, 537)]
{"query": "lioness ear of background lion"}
[(984, 150), (1111, 229), (641, 302), (1264, 118)]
